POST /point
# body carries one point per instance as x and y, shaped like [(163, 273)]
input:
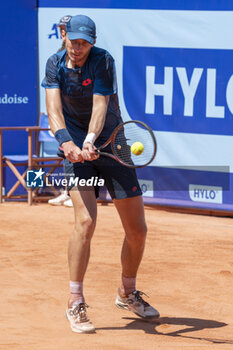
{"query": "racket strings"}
[(127, 136)]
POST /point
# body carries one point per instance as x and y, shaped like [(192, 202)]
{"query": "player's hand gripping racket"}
[(133, 144)]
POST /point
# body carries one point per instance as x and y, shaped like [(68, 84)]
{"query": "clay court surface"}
[(187, 271)]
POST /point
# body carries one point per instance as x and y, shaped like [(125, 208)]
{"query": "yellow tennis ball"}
[(137, 148)]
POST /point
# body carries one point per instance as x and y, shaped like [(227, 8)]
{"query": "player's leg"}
[(131, 211), (123, 187), (85, 210), (125, 191)]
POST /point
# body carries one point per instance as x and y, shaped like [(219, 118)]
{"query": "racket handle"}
[(60, 152)]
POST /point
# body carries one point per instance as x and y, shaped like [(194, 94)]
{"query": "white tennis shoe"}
[(135, 303), (60, 199), (79, 321), (68, 203)]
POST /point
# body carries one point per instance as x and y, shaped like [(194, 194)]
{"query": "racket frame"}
[(111, 141)]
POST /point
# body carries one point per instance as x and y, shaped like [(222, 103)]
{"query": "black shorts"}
[(120, 181)]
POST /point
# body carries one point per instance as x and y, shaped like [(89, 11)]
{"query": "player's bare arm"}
[(57, 122), (99, 109)]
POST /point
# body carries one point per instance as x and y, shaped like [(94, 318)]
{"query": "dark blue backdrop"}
[(18, 71), (145, 4)]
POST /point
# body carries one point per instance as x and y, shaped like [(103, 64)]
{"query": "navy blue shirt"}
[(77, 86)]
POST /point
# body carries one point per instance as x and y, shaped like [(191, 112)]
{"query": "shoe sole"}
[(122, 307), (57, 204), (80, 331)]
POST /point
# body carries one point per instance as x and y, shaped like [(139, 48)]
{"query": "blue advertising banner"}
[(18, 71), (174, 71), (180, 90)]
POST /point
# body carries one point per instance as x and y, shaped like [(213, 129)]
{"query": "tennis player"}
[(83, 109)]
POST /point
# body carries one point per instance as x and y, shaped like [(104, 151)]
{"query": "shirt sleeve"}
[(50, 80), (105, 76)]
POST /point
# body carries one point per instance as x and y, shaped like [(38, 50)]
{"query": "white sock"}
[(76, 291)]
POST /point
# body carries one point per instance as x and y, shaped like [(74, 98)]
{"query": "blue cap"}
[(81, 27)]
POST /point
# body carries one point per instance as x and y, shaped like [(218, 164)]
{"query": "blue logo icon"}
[(35, 178), (82, 29)]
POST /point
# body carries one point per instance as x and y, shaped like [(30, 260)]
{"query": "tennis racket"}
[(133, 144)]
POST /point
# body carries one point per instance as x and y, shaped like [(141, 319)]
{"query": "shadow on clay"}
[(191, 325)]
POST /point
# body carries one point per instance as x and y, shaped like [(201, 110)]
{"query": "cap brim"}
[(75, 36)]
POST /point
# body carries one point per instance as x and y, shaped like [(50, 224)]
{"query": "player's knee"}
[(137, 235), (84, 228)]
